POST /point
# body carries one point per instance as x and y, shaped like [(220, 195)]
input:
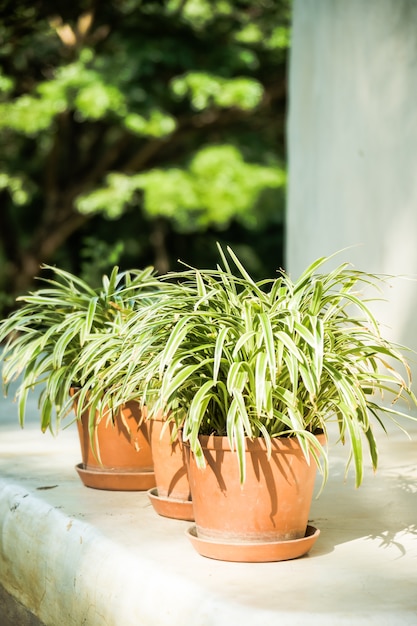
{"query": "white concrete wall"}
[(352, 143)]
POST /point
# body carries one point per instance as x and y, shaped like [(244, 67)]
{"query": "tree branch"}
[(8, 233)]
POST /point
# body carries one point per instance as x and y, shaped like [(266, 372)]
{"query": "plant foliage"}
[(222, 353), (46, 336)]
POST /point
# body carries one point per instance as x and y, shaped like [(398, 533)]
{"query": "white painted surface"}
[(76, 556), (352, 137)]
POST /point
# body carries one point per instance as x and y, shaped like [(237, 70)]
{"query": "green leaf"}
[(200, 401), (269, 343), (260, 383), (218, 350), (176, 337)]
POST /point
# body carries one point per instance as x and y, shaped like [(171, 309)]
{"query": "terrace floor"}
[(70, 555)]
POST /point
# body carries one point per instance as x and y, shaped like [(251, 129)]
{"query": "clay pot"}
[(123, 443), (121, 458), (271, 506), (169, 461), (172, 496)]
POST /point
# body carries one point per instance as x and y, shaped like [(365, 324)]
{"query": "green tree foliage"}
[(138, 131)]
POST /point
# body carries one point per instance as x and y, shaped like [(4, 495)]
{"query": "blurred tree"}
[(129, 128)]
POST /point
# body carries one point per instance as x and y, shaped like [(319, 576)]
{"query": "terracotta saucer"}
[(254, 552), (116, 481), (171, 507)]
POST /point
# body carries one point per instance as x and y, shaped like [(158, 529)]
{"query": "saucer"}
[(113, 480), (253, 552), (171, 507)]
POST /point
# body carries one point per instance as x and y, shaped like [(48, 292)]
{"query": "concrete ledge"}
[(65, 571), (71, 555)]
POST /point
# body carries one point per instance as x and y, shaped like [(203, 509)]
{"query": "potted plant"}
[(255, 373), (171, 497), (122, 380), (45, 341)]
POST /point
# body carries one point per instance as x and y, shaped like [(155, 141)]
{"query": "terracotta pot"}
[(169, 461), (271, 506), (123, 443), (125, 460)]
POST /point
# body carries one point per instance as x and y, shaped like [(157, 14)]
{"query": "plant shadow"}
[(382, 510)]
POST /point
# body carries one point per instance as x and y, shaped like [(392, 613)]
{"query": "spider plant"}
[(46, 335), (228, 355)]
